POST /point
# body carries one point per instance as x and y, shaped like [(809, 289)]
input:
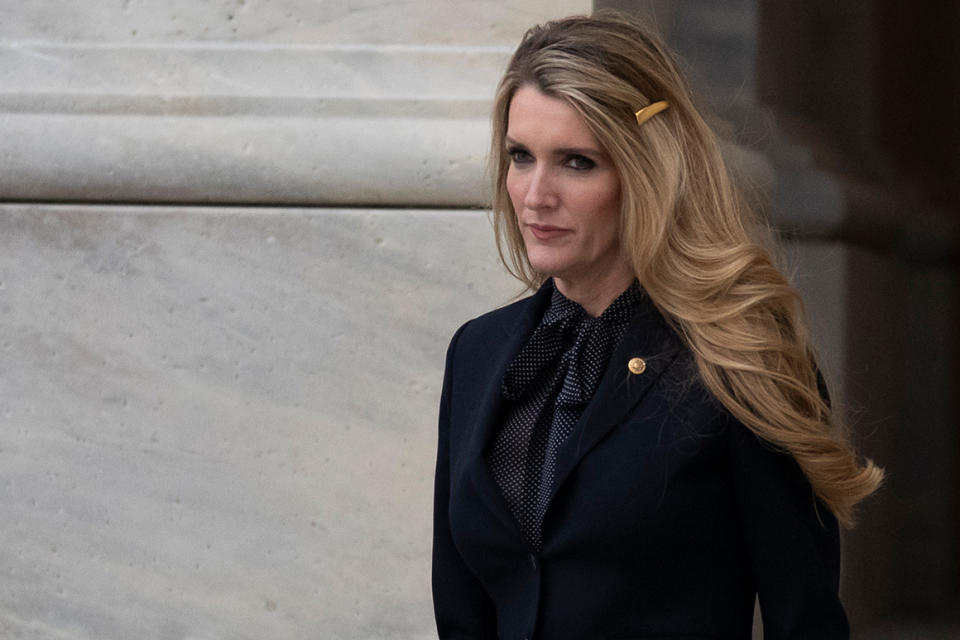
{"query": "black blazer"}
[(666, 517)]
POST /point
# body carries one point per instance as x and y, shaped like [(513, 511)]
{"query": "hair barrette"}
[(651, 110)]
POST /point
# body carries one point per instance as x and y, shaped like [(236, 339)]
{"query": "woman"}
[(642, 446)]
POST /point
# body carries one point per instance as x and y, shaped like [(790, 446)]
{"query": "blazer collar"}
[(516, 329), (647, 337)]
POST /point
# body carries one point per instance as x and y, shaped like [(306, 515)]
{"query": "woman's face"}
[(565, 191)]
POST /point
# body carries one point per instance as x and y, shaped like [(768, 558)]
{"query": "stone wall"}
[(220, 423), (218, 390), (253, 101)]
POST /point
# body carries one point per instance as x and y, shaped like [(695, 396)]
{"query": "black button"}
[(533, 563)]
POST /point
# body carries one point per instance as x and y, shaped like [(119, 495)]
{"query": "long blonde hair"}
[(687, 234)]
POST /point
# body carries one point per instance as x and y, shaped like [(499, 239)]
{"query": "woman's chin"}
[(548, 265), (548, 269)]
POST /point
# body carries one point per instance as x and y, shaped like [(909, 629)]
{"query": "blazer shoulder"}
[(502, 319)]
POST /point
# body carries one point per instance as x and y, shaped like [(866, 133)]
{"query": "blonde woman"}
[(640, 447)]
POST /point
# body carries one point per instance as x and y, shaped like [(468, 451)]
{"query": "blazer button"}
[(637, 365), (533, 561)]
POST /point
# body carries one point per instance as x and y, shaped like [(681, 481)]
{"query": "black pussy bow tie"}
[(576, 344)]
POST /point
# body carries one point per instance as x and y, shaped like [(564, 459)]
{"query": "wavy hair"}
[(687, 233)]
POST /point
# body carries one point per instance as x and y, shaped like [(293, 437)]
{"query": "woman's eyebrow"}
[(563, 151), (572, 151)]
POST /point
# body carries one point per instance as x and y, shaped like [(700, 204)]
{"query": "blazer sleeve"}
[(793, 542), (461, 605)]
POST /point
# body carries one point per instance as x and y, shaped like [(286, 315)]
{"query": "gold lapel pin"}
[(637, 365)]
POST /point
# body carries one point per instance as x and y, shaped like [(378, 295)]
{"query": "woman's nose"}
[(541, 190)]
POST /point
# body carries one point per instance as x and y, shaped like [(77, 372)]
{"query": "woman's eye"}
[(580, 163), (519, 156)]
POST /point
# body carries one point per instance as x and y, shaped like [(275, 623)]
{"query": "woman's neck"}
[(596, 294)]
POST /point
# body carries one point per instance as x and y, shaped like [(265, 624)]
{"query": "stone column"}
[(218, 382), (294, 102)]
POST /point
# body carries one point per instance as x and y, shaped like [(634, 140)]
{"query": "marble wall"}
[(221, 424), (218, 421), (254, 101)]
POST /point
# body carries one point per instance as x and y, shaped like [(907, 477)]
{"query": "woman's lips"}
[(546, 232)]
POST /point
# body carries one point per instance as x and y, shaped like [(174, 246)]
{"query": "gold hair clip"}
[(651, 110)]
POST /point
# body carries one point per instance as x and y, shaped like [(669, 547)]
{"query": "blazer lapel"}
[(516, 329), (647, 337)]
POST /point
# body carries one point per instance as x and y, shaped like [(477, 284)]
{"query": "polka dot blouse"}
[(547, 387)]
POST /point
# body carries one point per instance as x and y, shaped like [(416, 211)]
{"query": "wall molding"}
[(354, 124)]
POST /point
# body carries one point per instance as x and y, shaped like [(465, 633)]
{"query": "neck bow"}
[(574, 344)]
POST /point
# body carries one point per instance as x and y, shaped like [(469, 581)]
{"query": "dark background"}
[(869, 92)]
